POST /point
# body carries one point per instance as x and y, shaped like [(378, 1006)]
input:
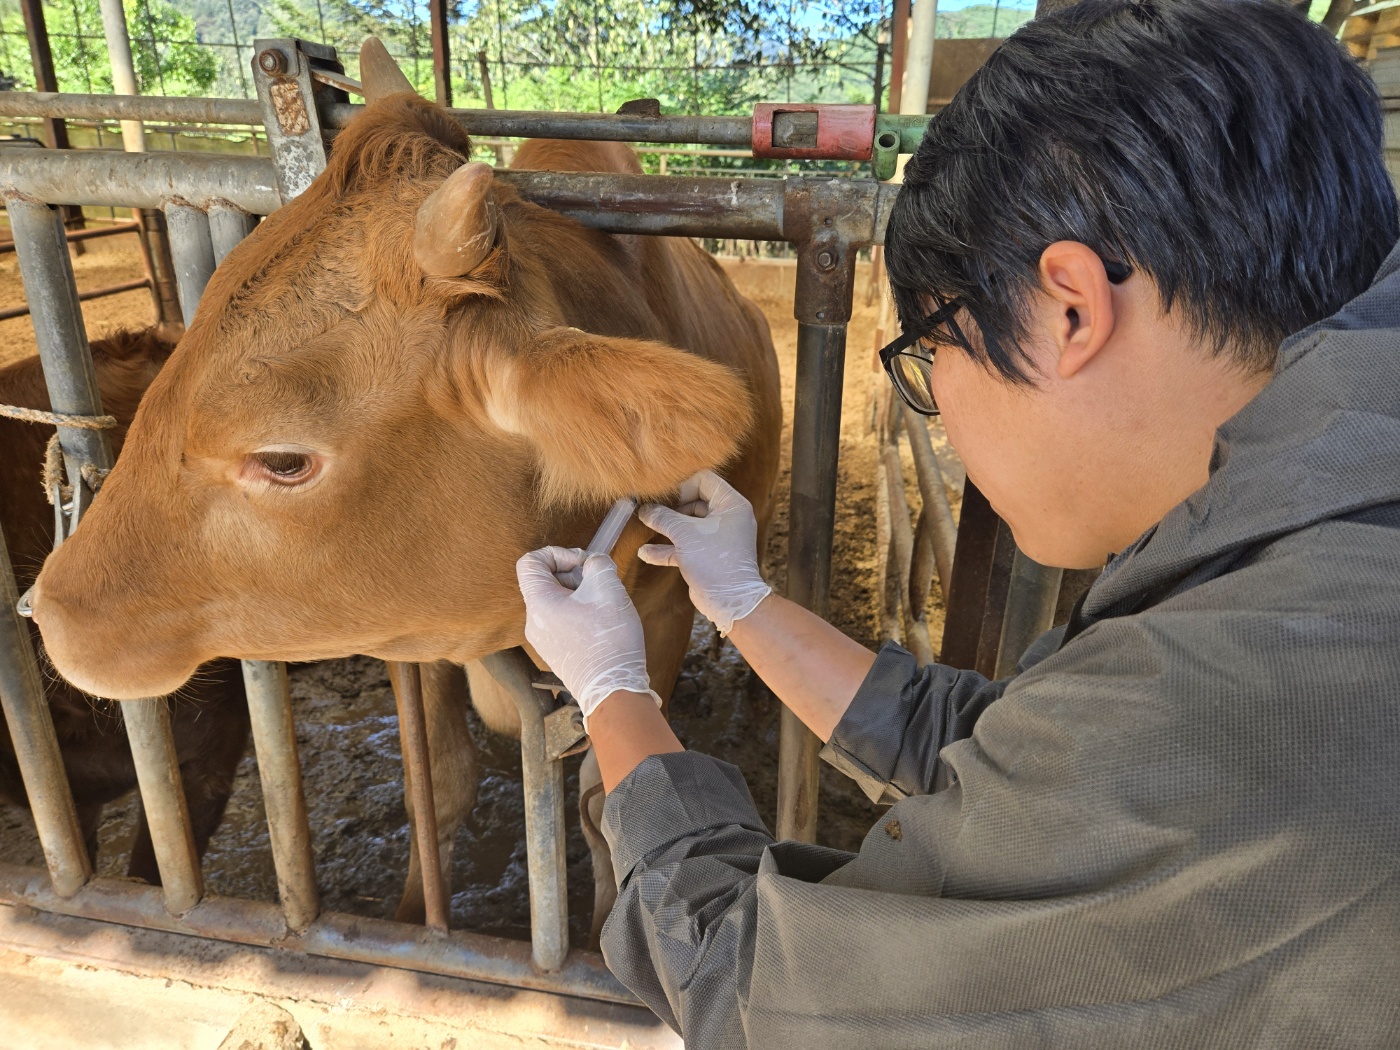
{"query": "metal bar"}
[(86, 234), (287, 94), (156, 109), (816, 434), (192, 248), (972, 571), (1030, 609), (474, 956), (748, 209), (91, 293), (936, 522), (274, 739), (52, 295), (227, 226), (603, 127), (543, 785), (902, 553), (108, 179), (751, 209), (994, 605), (442, 53), (123, 72), (155, 248), (418, 783), (148, 730), (36, 745)]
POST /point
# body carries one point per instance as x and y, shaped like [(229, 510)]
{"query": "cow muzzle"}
[(107, 655)]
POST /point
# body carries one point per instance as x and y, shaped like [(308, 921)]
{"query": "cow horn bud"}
[(379, 73), (456, 226)]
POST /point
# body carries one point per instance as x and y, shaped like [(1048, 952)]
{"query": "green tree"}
[(167, 57)]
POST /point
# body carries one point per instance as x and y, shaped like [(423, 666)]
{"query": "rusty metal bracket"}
[(813, 131), (564, 734), (291, 99)]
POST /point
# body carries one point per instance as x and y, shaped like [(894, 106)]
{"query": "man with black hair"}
[(1141, 264)]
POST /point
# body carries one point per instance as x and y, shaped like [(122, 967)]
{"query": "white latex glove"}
[(714, 542), (590, 637)]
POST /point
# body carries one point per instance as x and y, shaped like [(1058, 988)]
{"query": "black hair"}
[(1229, 149)]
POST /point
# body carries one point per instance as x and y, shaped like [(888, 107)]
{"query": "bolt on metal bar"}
[(106, 178), (279, 771), (228, 225), (52, 295), (459, 953), (36, 745), (192, 248), (418, 784), (148, 729), (542, 781)]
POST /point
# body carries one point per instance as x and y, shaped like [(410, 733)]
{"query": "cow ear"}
[(380, 75), (618, 417)]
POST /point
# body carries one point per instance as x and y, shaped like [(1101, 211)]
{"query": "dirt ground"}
[(346, 726)]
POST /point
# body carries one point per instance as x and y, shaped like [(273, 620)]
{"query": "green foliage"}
[(167, 57), (984, 20)]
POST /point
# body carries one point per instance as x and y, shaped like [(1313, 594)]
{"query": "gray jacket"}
[(1179, 829)]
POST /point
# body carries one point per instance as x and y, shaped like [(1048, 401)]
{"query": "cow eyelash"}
[(285, 466)]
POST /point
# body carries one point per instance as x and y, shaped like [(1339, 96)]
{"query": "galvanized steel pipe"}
[(52, 295), (418, 784), (816, 434), (148, 730), (192, 249), (279, 772), (106, 178), (227, 226), (542, 780), (473, 956), (1030, 609), (169, 110), (36, 745)]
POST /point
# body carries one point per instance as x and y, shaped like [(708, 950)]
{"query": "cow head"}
[(379, 406)]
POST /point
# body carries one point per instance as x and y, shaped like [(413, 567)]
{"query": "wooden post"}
[(442, 54), (45, 79)]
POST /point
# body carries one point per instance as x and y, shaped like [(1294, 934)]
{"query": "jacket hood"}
[(1321, 441)]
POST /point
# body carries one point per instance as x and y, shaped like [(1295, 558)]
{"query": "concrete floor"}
[(68, 983)]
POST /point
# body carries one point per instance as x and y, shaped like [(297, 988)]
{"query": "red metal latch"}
[(805, 131)]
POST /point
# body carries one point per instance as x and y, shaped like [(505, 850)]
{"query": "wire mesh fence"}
[(694, 56)]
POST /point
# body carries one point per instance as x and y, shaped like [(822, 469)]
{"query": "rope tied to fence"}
[(52, 474), (58, 419)]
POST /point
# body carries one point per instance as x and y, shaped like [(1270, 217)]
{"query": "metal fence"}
[(209, 202)]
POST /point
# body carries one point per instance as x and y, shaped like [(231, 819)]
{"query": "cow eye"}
[(284, 466)]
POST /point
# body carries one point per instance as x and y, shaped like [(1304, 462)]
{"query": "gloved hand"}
[(714, 542), (590, 637)]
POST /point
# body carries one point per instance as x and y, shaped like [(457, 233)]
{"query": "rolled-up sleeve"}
[(902, 716)]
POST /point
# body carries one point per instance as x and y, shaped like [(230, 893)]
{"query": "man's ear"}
[(618, 417), (1073, 276)]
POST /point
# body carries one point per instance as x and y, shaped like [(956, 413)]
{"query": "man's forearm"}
[(811, 667), (625, 729)]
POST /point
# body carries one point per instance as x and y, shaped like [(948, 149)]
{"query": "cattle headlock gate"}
[(210, 203)]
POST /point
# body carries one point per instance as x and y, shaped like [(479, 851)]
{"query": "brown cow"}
[(400, 382), (210, 717)]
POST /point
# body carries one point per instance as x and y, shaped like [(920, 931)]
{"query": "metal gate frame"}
[(210, 203)]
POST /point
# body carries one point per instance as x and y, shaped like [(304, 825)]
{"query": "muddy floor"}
[(346, 726)]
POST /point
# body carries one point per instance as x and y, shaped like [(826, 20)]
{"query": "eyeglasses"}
[(911, 370)]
